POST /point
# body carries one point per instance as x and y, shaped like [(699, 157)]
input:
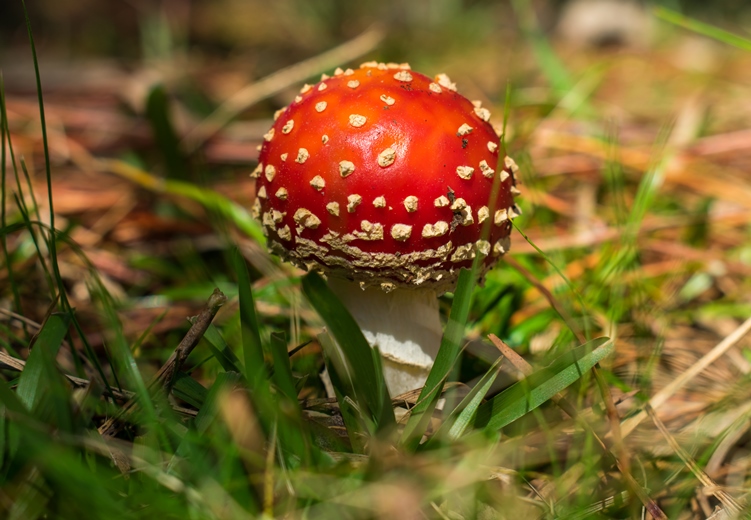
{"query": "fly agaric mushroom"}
[(382, 178)]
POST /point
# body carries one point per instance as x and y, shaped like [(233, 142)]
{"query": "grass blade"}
[(158, 113), (703, 28), (444, 361), (463, 415), (52, 242), (124, 362), (533, 391), (294, 438), (222, 352), (340, 376), (5, 134), (209, 411), (39, 370), (255, 367), (207, 197), (282, 375), (368, 385), (189, 390)]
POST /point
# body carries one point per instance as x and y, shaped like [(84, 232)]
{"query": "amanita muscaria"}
[(382, 178)]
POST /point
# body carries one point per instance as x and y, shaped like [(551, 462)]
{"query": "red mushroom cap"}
[(384, 176)]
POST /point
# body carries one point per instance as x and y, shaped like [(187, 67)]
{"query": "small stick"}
[(165, 377), (169, 370)]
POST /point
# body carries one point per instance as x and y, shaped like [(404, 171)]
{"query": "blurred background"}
[(292, 29), (203, 52)]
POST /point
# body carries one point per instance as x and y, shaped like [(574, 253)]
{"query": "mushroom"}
[(381, 178)]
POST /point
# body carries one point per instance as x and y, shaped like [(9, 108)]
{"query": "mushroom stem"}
[(404, 324)]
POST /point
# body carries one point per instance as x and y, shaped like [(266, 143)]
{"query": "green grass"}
[(243, 429)]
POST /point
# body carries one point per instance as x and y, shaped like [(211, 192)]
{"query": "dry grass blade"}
[(7, 361), (526, 369), (624, 459), (278, 81), (685, 170), (710, 486), (409, 399), (679, 382), (593, 237)]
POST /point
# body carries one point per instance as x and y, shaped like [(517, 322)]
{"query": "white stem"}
[(404, 324)]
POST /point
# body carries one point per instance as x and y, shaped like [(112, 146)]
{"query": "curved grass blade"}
[(702, 28), (124, 362), (3, 199), (159, 116), (444, 361), (207, 197), (40, 372), (294, 438), (208, 412), (463, 415), (41, 387), (256, 372), (533, 391), (369, 387), (100, 290), (341, 381), (222, 352), (255, 367), (189, 390), (282, 375), (29, 224), (52, 244)]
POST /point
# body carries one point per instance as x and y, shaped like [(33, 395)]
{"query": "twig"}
[(278, 81), (200, 324), (165, 377)]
